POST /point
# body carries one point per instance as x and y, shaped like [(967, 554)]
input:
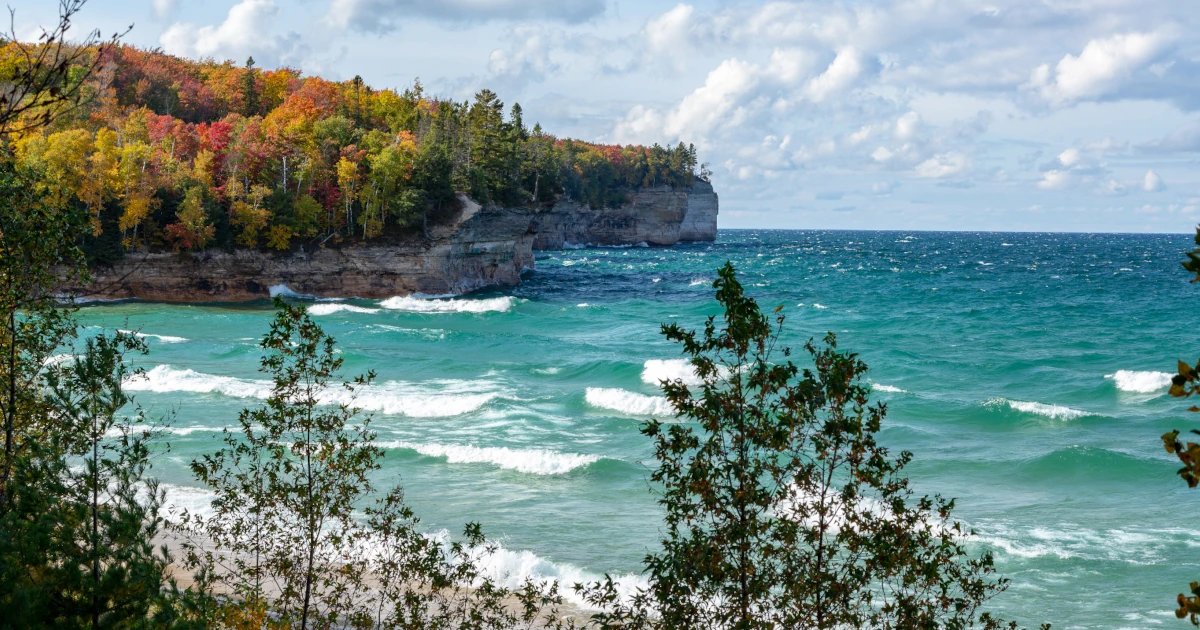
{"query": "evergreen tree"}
[(287, 484), (782, 511), (250, 89)]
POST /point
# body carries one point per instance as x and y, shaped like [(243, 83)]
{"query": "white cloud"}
[(839, 76), (670, 33), (1056, 180), (943, 165), (383, 16), (1070, 157), (908, 125), (1152, 182), (718, 101), (527, 60), (242, 34), (1100, 68)]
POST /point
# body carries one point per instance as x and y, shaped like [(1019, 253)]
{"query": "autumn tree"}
[(379, 162), (193, 231)]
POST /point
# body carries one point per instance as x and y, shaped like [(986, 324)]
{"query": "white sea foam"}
[(1140, 382), (162, 338), (656, 370), (451, 398), (197, 501), (282, 290), (58, 358), (331, 308), (1054, 412), (420, 305), (698, 281), (164, 379), (629, 402), (437, 399), (534, 460), (513, 568), (890, 389)]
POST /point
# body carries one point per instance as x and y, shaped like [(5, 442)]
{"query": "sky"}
[(1043, 115)]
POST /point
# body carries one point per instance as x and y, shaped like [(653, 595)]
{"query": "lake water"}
[(1024, 371)]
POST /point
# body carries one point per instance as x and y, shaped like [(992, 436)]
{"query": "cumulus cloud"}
[(1057, 180), (1152, 182), (840, 75), (954, 93), (737, 91), (943, 165), (1100, 68), (383, 16), (526, 60), (243, 33), (1079, 166)]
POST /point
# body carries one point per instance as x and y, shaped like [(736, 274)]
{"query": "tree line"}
[(165, 152), (781, 510)]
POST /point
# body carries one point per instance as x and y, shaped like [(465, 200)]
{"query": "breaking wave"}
[(656, 370), (444, 399), (1140, 382), (629, 402), (454, 305), (164, 379), (889, 389), (162, 338), (534, 460), (331, 308), (1054, 412)]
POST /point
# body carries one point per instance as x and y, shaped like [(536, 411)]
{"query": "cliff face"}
[(482, 247), (655, 216)]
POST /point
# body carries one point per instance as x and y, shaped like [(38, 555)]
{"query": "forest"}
[(169, 153)]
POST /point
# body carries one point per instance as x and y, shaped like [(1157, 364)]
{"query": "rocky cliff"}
[(655, 216), (481, 247)]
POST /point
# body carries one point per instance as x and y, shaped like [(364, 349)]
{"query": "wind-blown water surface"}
[(1025, 371)]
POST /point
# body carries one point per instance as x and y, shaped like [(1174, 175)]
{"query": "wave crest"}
[(655, 371), (444, 399), (1140, 382), (629, 402), (162, 338), (423, 305), (533, 460), (1054, 412), (331, 308)]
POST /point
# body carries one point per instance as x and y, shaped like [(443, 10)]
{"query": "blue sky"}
[(1062, 115)]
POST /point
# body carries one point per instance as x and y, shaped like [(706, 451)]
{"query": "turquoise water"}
[(1021, 369)]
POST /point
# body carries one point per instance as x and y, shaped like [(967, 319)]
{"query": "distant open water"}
[(1025, 371)]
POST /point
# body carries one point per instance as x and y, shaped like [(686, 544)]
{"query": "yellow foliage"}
[(279, 237), (202, 167), (250, 215)]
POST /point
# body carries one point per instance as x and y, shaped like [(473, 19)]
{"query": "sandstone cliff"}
[(482, 247), (655, 216)]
